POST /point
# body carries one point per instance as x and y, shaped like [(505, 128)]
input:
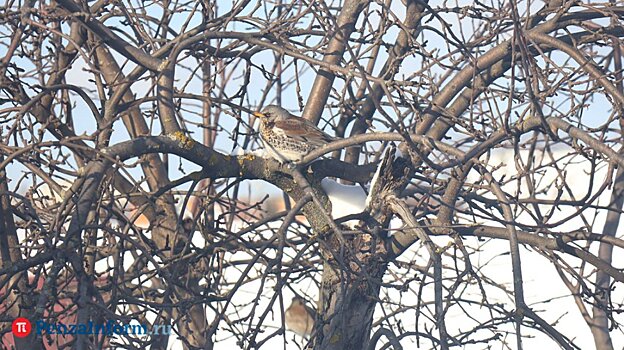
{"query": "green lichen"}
[(183, 140), (241, 162), (246, 157), (163, 65)]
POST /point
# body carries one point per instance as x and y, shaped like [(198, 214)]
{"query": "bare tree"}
[(130, 190)]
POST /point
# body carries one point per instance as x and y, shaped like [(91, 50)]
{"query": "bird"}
[(300, 317), (286, 137)]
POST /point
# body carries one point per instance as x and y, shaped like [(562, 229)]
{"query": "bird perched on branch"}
[(287, 138), (300, 317)]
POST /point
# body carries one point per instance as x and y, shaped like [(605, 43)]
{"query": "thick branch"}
[(333, 55), (113, 40)]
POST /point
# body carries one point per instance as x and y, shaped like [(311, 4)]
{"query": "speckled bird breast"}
[(281, 146)]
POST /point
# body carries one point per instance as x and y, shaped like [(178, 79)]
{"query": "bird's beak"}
[(259, 115)]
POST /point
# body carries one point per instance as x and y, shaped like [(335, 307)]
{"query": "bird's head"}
[(272, 113)]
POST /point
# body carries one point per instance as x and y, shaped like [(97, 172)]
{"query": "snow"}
[(345, 199), (373, 184), (260, 152)]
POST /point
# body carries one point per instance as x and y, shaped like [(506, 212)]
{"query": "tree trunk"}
[(349, 294)]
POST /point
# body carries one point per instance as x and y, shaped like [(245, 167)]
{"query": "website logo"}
[(21, 327)]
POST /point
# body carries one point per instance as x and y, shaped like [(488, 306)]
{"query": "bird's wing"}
[(304, 130)]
